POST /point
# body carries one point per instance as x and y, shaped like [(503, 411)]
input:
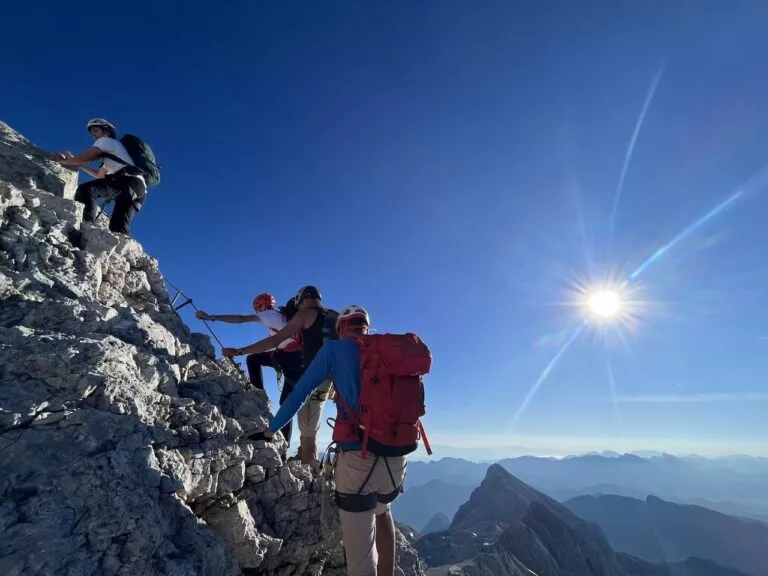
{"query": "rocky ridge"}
[(122, 437), (508, 528)]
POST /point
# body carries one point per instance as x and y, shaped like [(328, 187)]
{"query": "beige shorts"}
[(310, 414), (358, 530)]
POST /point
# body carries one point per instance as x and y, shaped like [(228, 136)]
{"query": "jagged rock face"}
[(500, 501), (24, 165), (407, 560), (536, 536), (509, 528), (548, 542), (501, 497), (545, 544), (409, 533), (121, 437), (454, 546)]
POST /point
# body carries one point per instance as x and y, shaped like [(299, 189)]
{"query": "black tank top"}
[(322, 329)]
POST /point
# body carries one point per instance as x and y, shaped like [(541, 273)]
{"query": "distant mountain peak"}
[(660, 531), (501, 498), (437, 523), (497, 471)]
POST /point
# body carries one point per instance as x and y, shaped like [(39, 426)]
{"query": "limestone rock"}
[(122, 438), (24, 165), (408, 561), (112, 462)]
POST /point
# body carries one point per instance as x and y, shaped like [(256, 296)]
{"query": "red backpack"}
[(386, 418)]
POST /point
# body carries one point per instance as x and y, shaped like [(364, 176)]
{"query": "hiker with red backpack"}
[(379, 400), (315, 324), (286, 357), (127, 170)]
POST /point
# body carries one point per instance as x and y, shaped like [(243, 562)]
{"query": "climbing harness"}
[(359, 502)]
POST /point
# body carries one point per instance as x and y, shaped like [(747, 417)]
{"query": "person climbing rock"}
[(286, 357), (119, 178), (371, 453), (316, 324)]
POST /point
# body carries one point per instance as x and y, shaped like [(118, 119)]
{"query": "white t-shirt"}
[(273, 320), (107, 144)]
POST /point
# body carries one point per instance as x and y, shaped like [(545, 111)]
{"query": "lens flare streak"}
[(751, 186), (685, 232), (547, 370), (632, 141)]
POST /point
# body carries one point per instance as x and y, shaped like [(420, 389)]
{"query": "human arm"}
[(91, 154), (296, 324), (100, 173), (315, 374), (228, 318)]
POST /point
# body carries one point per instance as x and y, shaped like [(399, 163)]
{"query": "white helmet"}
[(350, 312), (101, 123)]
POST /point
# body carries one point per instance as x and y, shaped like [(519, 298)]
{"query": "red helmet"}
[(263, 302)]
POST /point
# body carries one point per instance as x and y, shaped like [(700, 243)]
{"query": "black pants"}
[(291, 365), (127, 191), (287, 430)]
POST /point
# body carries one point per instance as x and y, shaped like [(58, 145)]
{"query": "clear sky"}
[(458, 168)]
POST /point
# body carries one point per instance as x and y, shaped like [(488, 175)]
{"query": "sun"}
[(604, 304)]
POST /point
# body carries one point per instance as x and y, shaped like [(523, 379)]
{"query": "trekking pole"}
[(189, 301)]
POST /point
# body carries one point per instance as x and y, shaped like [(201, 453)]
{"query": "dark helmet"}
[(307, 292)]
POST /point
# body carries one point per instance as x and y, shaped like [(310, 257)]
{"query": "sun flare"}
[(604, 304)]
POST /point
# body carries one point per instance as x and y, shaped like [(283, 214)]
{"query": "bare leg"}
[(357, 533), (308, 449), (385, 544)]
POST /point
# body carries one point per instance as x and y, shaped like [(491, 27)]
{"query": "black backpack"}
[(329, 325), (142, 156)]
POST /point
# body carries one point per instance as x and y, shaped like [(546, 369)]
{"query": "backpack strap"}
[(358, 502), (138, 171), (424, 438), (115, 158), (398, 488)]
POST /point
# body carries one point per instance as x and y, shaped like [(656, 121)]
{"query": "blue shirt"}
[(341, 360)]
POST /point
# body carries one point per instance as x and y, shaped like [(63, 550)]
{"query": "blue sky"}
[(453, 167)]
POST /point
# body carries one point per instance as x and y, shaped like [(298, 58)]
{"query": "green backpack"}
[(142, 156)]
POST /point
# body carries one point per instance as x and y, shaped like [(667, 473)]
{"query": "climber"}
[(287, 353), (316, 324), (365, 486), (286, 357), (117, 178)]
